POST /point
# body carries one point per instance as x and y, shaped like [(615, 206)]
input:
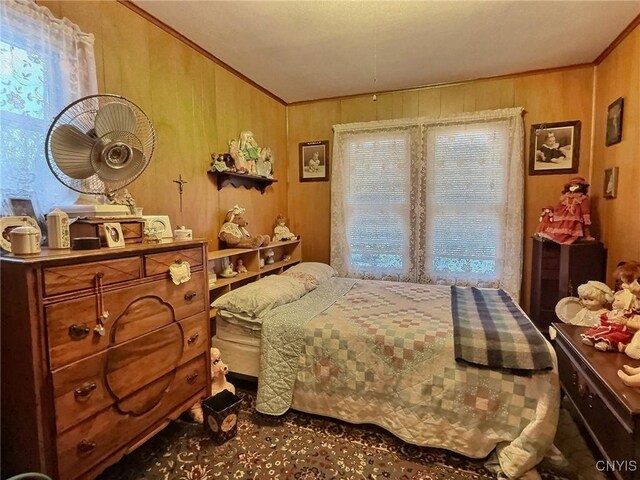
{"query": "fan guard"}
[(99, 144)]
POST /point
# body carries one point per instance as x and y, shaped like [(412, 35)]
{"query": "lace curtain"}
[(46, 64), (464, 216)]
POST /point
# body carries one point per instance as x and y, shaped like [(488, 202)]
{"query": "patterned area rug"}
[(293, 446)]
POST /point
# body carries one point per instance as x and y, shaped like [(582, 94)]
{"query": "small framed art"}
[(614, 122), (314, 161), (113, 234), (555, 148), (610, 182)]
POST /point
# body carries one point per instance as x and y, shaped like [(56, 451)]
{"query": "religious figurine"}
[(250, 150), (571, 216), (280, 231)]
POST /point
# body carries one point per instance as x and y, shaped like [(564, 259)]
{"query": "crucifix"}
[(180, 183)]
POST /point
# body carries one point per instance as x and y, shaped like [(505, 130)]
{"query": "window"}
[(45, 63), (378, 202), (466, 195), (430, 200)]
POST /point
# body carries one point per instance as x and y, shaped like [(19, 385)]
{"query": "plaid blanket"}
[(491, 330)]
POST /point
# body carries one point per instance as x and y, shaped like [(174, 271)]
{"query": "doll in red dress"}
[(571, 216)]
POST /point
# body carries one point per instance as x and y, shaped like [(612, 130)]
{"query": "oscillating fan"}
[(97, 145)]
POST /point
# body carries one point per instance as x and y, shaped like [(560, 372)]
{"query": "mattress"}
[(238, 342)]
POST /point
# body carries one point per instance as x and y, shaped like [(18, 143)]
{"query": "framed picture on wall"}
[(554, 148), (314, 161), (614, 122), (610, 182)]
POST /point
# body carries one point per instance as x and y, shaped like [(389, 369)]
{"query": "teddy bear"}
[(218, 383), (234, 233)]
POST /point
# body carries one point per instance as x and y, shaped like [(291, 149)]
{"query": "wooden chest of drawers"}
[(609, 409), (100, 350)]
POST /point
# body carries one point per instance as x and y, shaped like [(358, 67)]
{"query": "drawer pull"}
[(192, 378), (78, 332), (192, 339), (85, 391), (85, 446), (190, 295)]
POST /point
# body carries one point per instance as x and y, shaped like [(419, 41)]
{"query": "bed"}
[(384, 353)]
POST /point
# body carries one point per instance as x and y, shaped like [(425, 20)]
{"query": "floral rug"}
[(293, 446)]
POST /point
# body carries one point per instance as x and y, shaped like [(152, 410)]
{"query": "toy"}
[(617, 327), (280, 231), (240, 268), (571, 216), (626, 273), (234, 233), (240, 163), (630, 376), (250, 150), (546, 217), (269, 254), (594, 296), (218, 383)]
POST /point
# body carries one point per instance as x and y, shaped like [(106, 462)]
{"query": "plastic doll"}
[(280, 231), (613, 331), (594, 296), (250, 150), (571, 216)]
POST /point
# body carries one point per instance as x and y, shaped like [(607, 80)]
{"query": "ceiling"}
[(306, 50)]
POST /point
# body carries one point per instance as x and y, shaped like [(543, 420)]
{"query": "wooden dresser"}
[(608, 408), (76, 396), (557, 272)]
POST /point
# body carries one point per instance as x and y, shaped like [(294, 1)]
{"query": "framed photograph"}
[(610, 182), (554, 148), (113, 234), (21, 207), (614, 122), (314, 161)]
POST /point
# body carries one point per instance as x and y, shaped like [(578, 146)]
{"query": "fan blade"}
[(71, 150), (128, 169), (114, 117)]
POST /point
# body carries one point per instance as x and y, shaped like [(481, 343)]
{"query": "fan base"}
[(96, 210)]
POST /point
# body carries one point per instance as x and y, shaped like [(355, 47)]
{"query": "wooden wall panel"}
[(619, 76), (195, 105), (564, 95)]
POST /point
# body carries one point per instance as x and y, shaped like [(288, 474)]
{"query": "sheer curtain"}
[(46, 64), (464, 221)]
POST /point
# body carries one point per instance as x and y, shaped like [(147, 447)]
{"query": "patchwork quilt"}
[(383, 353)]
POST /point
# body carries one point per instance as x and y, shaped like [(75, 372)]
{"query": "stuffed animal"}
[(218, 383), (234, 233)]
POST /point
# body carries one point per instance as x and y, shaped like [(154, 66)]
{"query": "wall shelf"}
[(241, 180)]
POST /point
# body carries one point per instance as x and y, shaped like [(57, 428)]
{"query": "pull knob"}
[(85, 391), (78, 332), (192, 339), (85, 446), (190, 295), (192, 378)]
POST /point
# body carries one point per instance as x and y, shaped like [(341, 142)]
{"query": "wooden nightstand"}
[(609, 409)]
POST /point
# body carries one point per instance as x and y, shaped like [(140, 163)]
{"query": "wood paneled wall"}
[(619, 76), (195, 105), (546, 97)]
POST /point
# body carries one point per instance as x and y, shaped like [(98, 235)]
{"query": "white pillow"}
[(320, 271), (258, 298)]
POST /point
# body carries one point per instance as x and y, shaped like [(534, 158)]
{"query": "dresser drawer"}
[(157, 263), (86, 444), (83, 276), (91, 385), (613, 433), (133, 312)]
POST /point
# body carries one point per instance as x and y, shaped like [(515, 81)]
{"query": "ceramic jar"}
[(58, 229), (25, 240), (183, 233)]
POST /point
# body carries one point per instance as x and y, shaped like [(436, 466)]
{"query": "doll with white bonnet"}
[(594, 297)]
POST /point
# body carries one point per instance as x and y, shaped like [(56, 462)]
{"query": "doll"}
[(594, 296), (280, 231), (617, 327), (240, 268), (571, 216), (250, 150), (546, 217)]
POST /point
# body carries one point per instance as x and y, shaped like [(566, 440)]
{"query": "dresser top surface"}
[(50, 255), (603, 365)]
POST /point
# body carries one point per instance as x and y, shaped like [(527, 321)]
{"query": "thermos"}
[(58, 229)]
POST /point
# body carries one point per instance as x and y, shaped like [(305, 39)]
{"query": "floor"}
[(570, 440)]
